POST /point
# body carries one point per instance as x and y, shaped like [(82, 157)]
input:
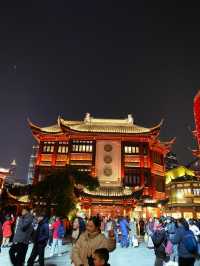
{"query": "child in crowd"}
[(101, 257), (7, 230)]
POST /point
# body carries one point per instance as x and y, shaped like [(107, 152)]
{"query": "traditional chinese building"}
[(127, 159), (183, 190), (196, 132), (195, 164)]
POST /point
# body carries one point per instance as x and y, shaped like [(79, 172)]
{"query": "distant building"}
[(3, 174), (32, 161), (12, 177), (183, 190)]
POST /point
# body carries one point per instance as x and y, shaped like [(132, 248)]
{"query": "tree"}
[(57, 189)]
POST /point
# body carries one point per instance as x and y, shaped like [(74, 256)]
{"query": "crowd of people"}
[(174, 241), (93, 238), (16, 233)]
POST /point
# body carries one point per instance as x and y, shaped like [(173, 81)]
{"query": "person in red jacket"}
[(58, 235), (1, 235), (7, 230)]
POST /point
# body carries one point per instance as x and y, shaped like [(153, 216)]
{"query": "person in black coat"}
[(40, 240), (22, 236)]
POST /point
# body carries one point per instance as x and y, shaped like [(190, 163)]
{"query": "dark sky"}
[(108, 58)]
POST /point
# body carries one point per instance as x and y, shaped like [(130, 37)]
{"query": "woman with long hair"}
[(78, 229), (89, 241)]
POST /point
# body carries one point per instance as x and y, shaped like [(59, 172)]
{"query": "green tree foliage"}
[(57, 189)]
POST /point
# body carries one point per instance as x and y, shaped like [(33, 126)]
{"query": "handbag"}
[(145, 237), (169, 248), (135, 243), (150, 244)]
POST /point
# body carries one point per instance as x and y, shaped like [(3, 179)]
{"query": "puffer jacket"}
[(55, 227), (24, 229), (42, 233), (7, 228), (87, 244), (178, 238)]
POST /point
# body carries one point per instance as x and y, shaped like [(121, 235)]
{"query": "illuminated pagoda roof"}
[(97, 125), (177, 173), (113, 193), (4, 171), (20, 199)]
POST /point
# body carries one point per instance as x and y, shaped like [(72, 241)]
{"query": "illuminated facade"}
[(3, 174), (31, 166), (196, 132), (127, 159), (183, 190)]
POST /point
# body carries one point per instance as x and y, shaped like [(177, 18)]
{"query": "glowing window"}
[(48, 147)]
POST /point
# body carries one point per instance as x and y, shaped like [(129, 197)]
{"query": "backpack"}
[(61, 231), (158, 238), (190, 242)]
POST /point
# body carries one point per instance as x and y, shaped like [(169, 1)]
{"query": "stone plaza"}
[(140, 256)]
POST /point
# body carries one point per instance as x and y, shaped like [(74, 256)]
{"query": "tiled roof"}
[(97, 125), (112, 192)]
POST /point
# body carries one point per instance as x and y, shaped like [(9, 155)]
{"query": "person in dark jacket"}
[(23, 231), (159, 239), (185, 258), (40, 241)]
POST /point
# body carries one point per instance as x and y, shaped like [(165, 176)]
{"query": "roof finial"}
[(130, 119), (87, 118), (13, 163)]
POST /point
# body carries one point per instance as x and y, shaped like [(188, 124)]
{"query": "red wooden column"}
[(142, 164), (153, 180), (39, 154), (122, 162), (54, 155)]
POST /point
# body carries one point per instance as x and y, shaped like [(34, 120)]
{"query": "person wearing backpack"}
[(187, 244), (58, 235), (159, 238)]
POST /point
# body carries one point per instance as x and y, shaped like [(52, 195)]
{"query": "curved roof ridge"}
[(98, 125)]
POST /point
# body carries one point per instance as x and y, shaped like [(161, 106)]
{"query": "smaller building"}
[(32, 162), (183, 191), (3, 174), (12, 177)]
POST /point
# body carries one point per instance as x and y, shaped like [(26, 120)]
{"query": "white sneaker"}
[(51, 255)]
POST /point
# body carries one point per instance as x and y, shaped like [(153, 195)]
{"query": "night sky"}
[(108, 58)]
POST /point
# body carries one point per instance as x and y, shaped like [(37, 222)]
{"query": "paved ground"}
[(120, 257)]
